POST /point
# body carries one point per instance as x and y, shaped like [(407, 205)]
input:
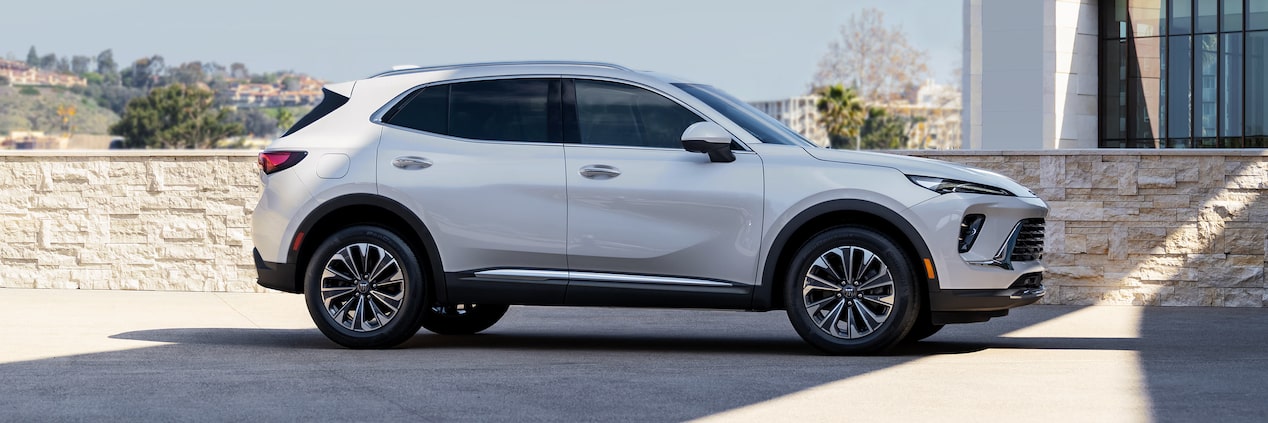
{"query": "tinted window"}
[(617, 114), (329, 102), (765, 128), (425, 110), (504, 110)]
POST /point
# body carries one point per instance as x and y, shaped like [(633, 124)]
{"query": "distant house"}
[(308, 93), (20, 73)]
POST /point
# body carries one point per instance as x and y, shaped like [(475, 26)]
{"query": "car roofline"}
[(418, 69)]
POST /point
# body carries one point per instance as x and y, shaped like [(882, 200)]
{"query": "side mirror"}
[(708, 138)]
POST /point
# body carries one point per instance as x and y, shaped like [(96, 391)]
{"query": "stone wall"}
[(1146, 227), (172, 220), (1126, 227)]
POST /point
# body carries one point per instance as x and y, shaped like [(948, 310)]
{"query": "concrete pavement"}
[(173, 356)]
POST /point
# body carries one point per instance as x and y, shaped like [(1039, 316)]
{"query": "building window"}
[(1173, 74)]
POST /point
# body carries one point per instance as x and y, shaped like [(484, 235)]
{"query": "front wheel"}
[(851, 290), (365, 288)]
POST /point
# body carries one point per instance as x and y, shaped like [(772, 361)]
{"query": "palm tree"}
[(841, 113)]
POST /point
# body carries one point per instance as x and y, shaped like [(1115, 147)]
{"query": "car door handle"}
[(600, 172), (411, 163)]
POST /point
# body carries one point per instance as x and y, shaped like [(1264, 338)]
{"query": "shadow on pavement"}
[(540, 364)]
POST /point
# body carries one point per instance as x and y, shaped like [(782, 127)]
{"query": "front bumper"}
[(279, 276), (980, 305)]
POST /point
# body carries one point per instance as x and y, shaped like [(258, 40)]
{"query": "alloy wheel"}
[(362, 287), (848, 292)]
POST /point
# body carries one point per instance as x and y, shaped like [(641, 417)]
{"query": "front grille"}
[(1029, 244)]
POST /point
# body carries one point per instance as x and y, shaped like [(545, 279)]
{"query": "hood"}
[(917, 166)]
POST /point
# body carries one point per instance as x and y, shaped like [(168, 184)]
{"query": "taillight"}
[(276, 161)]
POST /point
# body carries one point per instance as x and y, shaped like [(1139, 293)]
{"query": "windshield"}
[(765, 128)]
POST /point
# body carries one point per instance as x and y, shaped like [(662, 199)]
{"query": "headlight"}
[(947, 186)]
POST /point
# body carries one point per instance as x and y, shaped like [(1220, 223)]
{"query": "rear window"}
[(494, 110), (329, 102), (425, 110)]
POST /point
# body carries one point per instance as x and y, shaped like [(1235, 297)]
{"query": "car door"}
[(648, 222), (481, 163)]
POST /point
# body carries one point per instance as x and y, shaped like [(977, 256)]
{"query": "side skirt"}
[(556, 287)]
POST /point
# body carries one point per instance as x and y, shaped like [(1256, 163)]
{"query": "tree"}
[(875, 58), (285, 118), (144, 72), (256, 122), (883, 131), (79, 64), (48, 62), (187, 73), (175, 116), (841, 113), (237, 70), (106, 66), (32, 58), (4, 81)]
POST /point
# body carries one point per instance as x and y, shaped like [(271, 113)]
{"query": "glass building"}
[(1183, 74)]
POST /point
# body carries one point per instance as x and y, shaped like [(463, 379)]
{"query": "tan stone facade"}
[(128, 220), (1127, 227)]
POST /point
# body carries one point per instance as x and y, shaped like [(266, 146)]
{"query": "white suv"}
[(438, 196)]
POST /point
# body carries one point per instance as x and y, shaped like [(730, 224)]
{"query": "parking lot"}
[(170, 356)]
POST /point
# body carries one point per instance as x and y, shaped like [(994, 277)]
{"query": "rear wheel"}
[(851, 290), (462, 319), (365, 288)]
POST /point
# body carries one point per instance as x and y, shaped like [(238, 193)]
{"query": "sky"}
[(757, 50)]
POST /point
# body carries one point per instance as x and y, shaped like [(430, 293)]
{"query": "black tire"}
[(375, 288), (462, 319), (862, 270), (921, 330)]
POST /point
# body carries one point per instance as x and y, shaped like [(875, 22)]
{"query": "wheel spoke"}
[(829, 322), (822, 263), (815, 282), (814, 307), (379, 316), (364, 266), (886, 300), (358, 315), (870, 317), (385, 263), (338, 291), (881, 280), (330, 271), (342, 313), (865, 259), (393, 302)]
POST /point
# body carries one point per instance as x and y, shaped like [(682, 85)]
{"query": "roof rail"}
[(395, 71)]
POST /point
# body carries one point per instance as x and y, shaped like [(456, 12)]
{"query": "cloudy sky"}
[(757, 50)]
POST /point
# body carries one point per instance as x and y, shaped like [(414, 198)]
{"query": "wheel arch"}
[(832, 214), (353, 209)]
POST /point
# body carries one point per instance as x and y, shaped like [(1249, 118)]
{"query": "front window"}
[(765, 128), (609, 113)]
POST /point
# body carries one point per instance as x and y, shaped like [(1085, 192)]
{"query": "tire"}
[(365, 288), (462, 319), (864, 305)]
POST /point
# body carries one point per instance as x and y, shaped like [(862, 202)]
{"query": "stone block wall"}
[(1146, 227), (172, 220)]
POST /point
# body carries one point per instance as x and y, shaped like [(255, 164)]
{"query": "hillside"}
[(26, 112)]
